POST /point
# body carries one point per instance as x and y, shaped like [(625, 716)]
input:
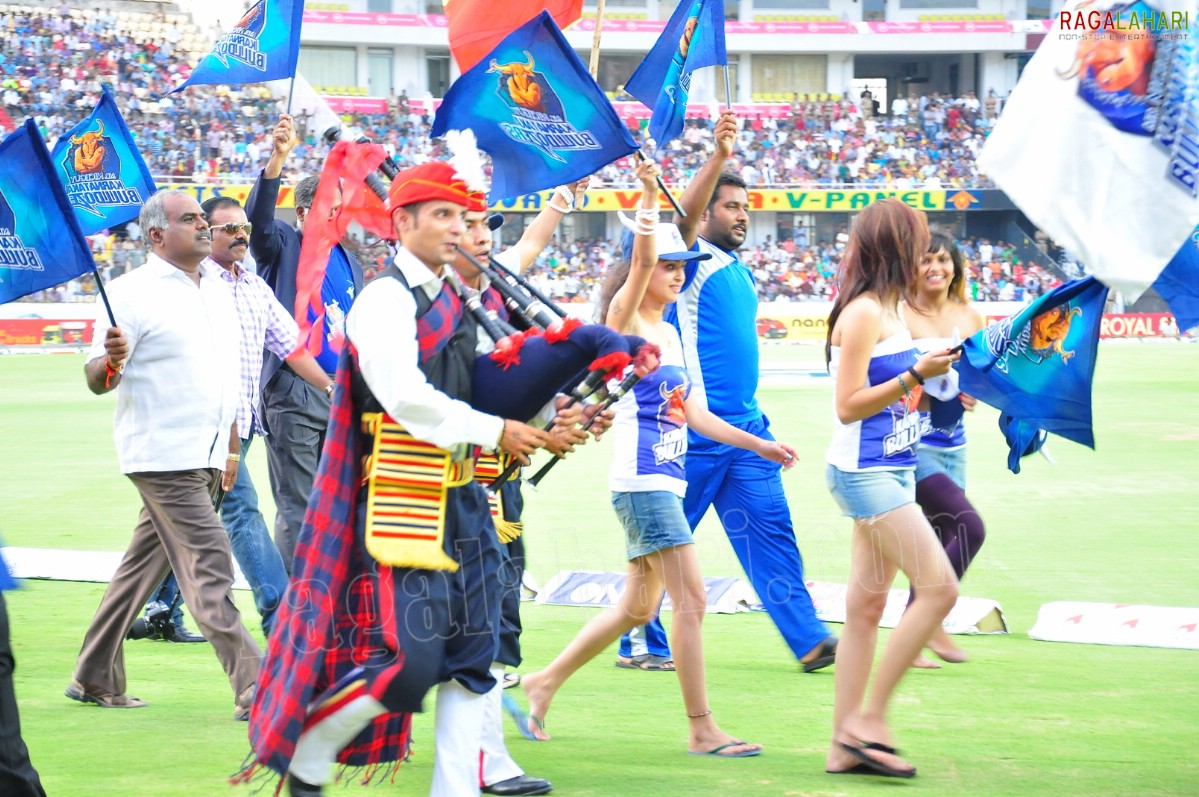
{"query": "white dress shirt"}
[(178, 395), (382, 327)]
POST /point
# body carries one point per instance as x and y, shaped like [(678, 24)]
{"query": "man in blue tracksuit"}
[(716, 317)]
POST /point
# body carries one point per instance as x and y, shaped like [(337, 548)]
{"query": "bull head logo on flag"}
[(106, 179), (534, 108)]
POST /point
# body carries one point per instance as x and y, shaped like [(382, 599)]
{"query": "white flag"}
[(1099, 142)]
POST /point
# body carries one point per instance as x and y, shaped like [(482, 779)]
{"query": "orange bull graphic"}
[(675, 407), (519, 80), (1049, 331), (89, 151)]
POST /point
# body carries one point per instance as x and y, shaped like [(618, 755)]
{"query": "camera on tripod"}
[(155, 623)]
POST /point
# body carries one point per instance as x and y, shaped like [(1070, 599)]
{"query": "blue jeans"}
[(253, 548)]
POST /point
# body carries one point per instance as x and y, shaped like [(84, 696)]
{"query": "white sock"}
[(458, 741), (497, 762), (317, 749)]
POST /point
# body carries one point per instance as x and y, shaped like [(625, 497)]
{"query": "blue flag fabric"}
[(6, 579), (535, 109), (693, 38), (1037, 365), (1178, 284), (41, 244), (264, 45), (1023, 439), (106, 179)]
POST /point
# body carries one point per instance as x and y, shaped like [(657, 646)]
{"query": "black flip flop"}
[(858, 751), (856, 769), (824, 657)]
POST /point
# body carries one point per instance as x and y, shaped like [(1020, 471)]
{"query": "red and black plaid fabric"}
[(328, 622), (435, 328), (492, 300)]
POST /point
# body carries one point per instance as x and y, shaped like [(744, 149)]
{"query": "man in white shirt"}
[(174, 364), (264, 324), (407, 375), (498, 771)]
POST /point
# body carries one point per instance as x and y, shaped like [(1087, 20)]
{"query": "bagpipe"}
[(552, 354)]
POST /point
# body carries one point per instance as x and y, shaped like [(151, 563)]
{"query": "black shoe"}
[(181, 633), (522, 784), (298, 788)]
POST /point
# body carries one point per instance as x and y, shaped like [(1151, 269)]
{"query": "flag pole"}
[(593, 68), (103, 295), (728, 91), (291, 90)]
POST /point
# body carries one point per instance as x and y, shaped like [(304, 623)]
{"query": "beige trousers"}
[(177, 530)]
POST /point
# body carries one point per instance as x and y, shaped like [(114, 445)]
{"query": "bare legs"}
[(677, 571), (898, 540)]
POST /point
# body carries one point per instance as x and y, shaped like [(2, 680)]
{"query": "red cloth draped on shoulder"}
[(347, 167)]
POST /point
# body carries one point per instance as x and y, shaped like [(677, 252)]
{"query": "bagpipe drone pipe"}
[(528, 368)]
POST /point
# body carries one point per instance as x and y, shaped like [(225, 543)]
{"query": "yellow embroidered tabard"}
[(487, 470), (407, 481)]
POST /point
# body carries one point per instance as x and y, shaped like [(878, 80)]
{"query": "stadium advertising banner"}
[(777, 200), (785, 322)]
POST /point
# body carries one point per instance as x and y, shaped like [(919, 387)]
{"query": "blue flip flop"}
[(519, 716)]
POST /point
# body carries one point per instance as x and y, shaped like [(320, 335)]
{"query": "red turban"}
[(435, 180)]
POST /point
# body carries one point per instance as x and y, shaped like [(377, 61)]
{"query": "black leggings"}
[(953, 518)]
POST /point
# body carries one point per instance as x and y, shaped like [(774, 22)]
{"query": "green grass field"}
[(1021, 718)]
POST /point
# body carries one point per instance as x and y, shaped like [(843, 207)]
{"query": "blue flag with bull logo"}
[(535, 109), (41, 244), (1037, 365), (106, 179), (264, 45), (693, 39)]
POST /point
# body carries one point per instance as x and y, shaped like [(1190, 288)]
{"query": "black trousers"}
[(296, 416), (18, 778), (512, 571)]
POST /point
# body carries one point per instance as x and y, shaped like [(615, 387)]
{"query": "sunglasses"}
[(232, 227)]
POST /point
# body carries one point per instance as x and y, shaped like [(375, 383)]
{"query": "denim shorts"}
[(931, 460), (864, 494), (652, 521)]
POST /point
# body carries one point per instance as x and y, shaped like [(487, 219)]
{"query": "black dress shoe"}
[(181, 633), (522, 784), (298, 788)]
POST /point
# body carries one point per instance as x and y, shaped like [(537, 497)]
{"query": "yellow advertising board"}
[(606, 200), (793, 321)]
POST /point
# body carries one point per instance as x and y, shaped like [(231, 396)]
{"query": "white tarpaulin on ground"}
[(1117, 624), (55, 565), (731, 595)]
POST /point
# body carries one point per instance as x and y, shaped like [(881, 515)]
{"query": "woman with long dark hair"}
[(871, 474), (648, 483), (938, 315)]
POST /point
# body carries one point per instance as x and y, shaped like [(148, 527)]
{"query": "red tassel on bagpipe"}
[(612, 364), (561, 330), (507, 349)]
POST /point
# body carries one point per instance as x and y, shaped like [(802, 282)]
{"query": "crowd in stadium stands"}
[(53, 62), (793, 270)]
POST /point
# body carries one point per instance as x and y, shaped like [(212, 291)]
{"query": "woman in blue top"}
[(871, 473), (648, 483), (939, 315)]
